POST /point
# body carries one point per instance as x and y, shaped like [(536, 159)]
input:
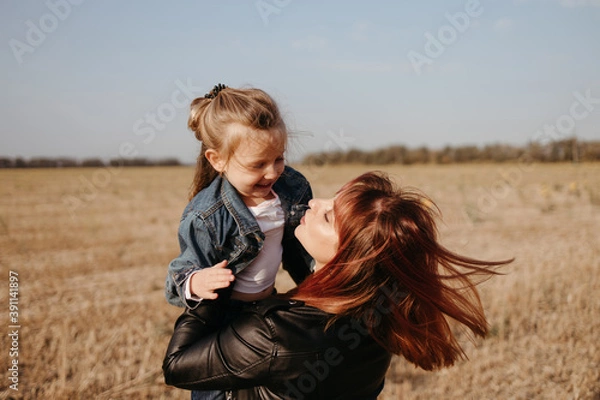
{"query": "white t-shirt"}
[(261, 273)]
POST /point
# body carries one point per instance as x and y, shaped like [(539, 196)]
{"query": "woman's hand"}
[(205, 282)]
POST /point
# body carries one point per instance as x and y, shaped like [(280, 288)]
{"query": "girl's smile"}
[(255, 165)]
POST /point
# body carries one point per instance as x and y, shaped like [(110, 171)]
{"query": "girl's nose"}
[(271, 172)]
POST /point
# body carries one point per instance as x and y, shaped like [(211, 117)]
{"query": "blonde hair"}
[(211, 114)]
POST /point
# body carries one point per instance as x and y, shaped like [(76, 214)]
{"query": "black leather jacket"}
[(275, 349)]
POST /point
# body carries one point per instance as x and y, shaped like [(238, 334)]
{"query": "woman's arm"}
[(236, 356)]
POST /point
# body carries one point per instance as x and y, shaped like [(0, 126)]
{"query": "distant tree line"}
[(567, 150), (63, 162)]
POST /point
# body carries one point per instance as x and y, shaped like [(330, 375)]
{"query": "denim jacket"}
[(216, 225)]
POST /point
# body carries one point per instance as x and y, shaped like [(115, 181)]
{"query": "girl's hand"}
[(205, 282)]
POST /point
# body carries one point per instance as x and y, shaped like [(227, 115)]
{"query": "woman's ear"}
[(215, 159)]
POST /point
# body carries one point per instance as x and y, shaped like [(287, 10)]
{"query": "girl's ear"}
[(215, 159)]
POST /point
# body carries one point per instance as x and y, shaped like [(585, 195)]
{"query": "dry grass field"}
[(91, 248)]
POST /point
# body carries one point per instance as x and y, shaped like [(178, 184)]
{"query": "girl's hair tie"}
[(215, 91)]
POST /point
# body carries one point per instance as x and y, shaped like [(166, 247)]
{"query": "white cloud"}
[(310, 43), (360, 31), (356, 66), (452, 68), (568, 3), (579, 3), (503, 25)]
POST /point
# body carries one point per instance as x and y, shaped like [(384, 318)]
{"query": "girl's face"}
[(317, 231), (254, 166)]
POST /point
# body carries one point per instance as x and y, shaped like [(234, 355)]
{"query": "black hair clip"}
[(215, 91)]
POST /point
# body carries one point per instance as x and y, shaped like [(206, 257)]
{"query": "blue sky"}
[(85, 78)]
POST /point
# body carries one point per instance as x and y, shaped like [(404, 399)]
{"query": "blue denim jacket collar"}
[(289, 187), (292, 188), (236, 207)]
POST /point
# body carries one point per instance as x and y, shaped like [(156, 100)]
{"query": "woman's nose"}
[(314, 203)]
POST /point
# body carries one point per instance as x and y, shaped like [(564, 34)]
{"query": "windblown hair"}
[(251, 108), (391, 273)]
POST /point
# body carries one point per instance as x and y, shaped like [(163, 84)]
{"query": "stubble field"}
[(90, 248)]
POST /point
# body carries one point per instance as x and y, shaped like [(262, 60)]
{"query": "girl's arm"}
[(197, 253), (205, 283)]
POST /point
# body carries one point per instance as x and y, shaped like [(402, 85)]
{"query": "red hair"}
[(391, 272)]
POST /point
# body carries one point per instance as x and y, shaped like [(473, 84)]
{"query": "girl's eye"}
[(258, 166), (326, 217)]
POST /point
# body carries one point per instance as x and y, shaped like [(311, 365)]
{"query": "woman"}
[(382, 285)]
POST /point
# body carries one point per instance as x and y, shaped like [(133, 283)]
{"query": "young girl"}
[(244, 204)]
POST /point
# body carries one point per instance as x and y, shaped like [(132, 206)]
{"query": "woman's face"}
[(317, 231)]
